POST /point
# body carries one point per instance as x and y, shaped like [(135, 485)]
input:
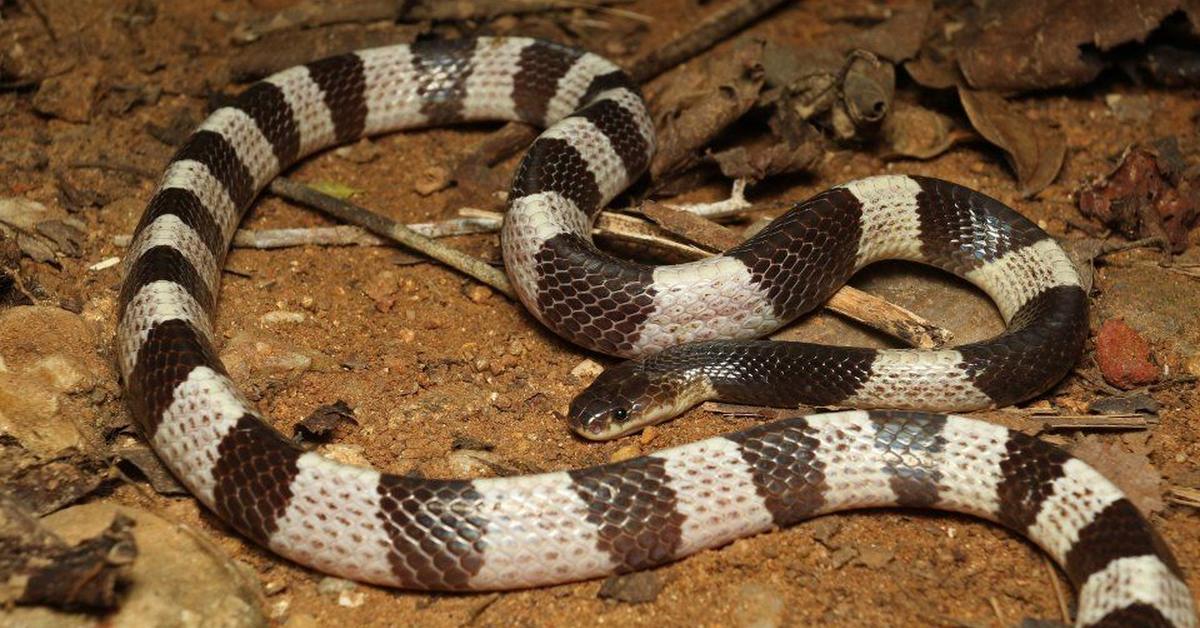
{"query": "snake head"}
[(629, 396)]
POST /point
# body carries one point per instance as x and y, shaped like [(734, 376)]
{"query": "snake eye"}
[(620, 414)]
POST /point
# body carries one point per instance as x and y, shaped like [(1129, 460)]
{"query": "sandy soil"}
[(440, 365)]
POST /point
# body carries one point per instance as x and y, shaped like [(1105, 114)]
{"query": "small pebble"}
[(1124, 356), (625, 453), (274, 587), (107, 262), (280, 608), (281, 316), (330, 585), (875, 557), (759, 605), (478, 294), (587, 370), (638, 587), (842, 556), (432, 180), (351, 599)]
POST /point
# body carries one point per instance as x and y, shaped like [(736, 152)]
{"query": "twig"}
[(344, 235), (36, 8), (1184, 495), (891, 319), (1145, 243), (735, 204), (1130, 421), (388, 228), (705, 35), (1064, 611)]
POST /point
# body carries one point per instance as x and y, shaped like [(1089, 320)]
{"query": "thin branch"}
[(343, 235), (1130, 421), (1184, 495), (1064, 610), (711, 30), (388, 228)]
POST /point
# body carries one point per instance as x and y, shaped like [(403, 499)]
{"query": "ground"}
[(435, 362)]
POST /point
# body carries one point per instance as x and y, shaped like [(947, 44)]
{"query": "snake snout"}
[(613, 405)]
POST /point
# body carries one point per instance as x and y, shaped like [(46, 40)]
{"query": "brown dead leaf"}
[(320, 425), (1131, 472), (898, 38), (696, 229), (760, 160), (914, 131), (701, 101), (1145, 196), (1034, 150), (1035, 44)]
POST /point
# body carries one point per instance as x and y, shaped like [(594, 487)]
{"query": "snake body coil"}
[(556, 527)]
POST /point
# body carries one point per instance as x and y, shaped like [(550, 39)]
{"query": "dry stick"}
[(388, 228), (1130, 421), (1064, 610), (1184, 495), (711, 30), (343, 235)]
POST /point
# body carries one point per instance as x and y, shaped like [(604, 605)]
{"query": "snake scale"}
[(503, 533)]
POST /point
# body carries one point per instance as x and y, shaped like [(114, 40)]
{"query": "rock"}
[(331, 586), (587, 370), (345, 454), (433, 179), (70, 96), (638, 587), (625, 453), (759, 606), (48, 353), (473, 463), (478, 293), (1124, 356), (249, 354), (382, 288), (874, 557), (178, 579), (281, 316), (361, 152)]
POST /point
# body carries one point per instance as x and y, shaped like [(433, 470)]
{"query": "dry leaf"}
[(1131, 472), (321, 423), (914, 131), (1034, 150), (701, 101), (1034, 44)]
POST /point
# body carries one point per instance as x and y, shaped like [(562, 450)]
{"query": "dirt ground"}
[(433, 362)]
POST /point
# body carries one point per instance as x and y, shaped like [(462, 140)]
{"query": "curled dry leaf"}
[(1034, 150), (1034, 44), (917, 132), (1145, 196), (758, 161), (701, 101), (321, 424)]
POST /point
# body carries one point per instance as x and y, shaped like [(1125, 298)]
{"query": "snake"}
[(534, 530)]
